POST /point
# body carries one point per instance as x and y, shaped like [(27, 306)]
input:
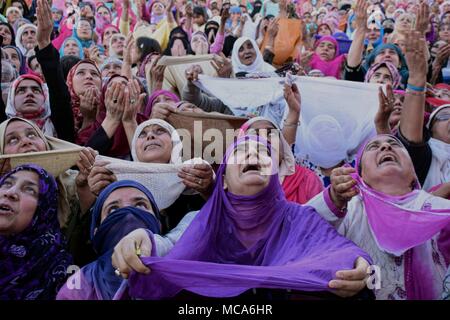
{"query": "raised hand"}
[(192, 72), (361, 14), (89, 102), (416, 58), (85, 165), (292, 97), (45, 23), (115, 102), (343, 186), (133, 102), (386, 107), (222, 65), (423, 18)]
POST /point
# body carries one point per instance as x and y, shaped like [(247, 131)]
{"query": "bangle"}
[(414, 88), (415, 93)]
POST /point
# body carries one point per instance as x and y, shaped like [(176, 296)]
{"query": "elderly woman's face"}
[(28, 38), (6, 34), (248, 169), (266, 130), (13, 16), (111, 69), (71, 48), (382, 75), (20, 137), (154, 145), (86, 76), (125, 197), (84, 30), (199, 44), (389, 55), (385, 157), (246, 53), (326, 50), (19, 195), (404, 22), (440, 128), (13, 57)]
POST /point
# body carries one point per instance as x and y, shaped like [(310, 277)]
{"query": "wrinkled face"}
[(6, 34), (267, 130), (86, 76), (373, 34), (103, 12), (384, 158), (382, 75), (248, 169), (125, 197), (118, 44), (178, 49), (326, 50), (404, 22), (28, 38), (71, 48), (111, 69), (108, 34), (84, 30), (440, 127), (13, 57), (389, 55), (13, 16), (158, 8), (324, 31), (19, 195), (394, 118), (154, 145), (20, 137), (29, 97), (444, 33), (247, 53), (199, 44)]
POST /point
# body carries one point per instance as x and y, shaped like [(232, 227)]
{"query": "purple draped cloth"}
[(289, 246)]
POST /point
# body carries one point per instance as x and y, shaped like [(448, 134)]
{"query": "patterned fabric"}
[(33, 263)]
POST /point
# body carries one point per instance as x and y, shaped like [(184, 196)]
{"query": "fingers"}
[(131, 258), (346, 288)]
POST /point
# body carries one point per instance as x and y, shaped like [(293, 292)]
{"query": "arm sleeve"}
[(100, 141), (194, 95), (217, 46), (60, 103), (356, 74), (420, 154)]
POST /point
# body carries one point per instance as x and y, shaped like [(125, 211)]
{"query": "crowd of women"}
[(98, 200)]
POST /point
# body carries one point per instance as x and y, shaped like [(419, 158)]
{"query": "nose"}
[(11, 193), (385, 146)]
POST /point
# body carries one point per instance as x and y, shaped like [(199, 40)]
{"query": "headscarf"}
[(19, 33), (403, 68), (292, 247), (379, 41), (257, 66), (11, 30), (33, 263), (86, 43), (41, 117), (156, 94), (74, 98), (175, 157), (105, 235), (201, 34), (100, 22), (398, 228), (331, 68), (18, 21), (106, 27), (23, 64), (172, 40), (396, 78), (211, 26), (80, 47), (154, 18), (110, 60)]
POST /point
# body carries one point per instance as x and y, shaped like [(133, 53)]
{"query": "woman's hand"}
[(416, 58), (343, 186), (45, 23), (85, 165), (385, 108), (293, 98), (89, 102), (423, 18), (222, 65), (129, 44), (115, 102), (127, 253), (100, 177), (94, 54), (273, 27), (349, 282), (199, 177), (361, 14), (157, 71), (133, 102), (162, 110)]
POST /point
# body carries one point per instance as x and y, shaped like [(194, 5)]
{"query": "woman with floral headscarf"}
[(33, 259)]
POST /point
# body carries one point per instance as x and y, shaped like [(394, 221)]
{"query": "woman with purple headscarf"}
[(33, 260), (240, 240), (379, 206)]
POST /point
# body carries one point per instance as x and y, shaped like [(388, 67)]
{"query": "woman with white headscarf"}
[(246, 58), (26, 39)]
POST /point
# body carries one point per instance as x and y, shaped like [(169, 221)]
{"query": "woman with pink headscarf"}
[(326, 57)]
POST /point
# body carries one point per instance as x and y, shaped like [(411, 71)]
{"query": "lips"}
[(152, 145), (387, 158), (6, 209), (251, 168)]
